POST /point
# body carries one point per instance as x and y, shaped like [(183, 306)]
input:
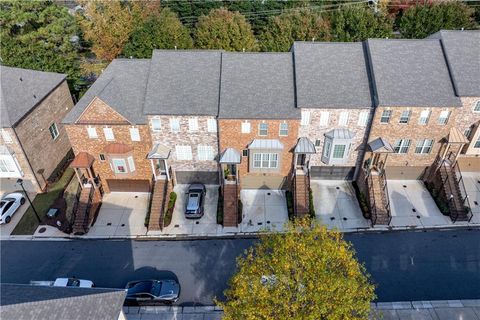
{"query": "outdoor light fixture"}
[(20, 182)]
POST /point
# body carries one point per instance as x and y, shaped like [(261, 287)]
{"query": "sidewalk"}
[(416, 310)]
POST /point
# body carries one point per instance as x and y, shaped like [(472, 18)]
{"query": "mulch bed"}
[(61, 205)]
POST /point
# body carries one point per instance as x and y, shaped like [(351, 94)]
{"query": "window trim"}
[(475, 106), (206, 156), (212, 125), (362, 119), (176, 121), (159, 124), (265, 157), (106, 135), (405, 117), (424, 146), (347, 118), (115, 167), (324, 119), (192, 124), (91, 129), (260, 129), (389, 117), (101, 157), (427, 118), (183, 146), (132, 135), (442, 123), (54, 126), (402, 144), (305, 118), (244, 125), (284, 129)]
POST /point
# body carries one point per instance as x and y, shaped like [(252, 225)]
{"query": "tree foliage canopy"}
[(421, 21), (308, 272), (223, 29), (39, 35), (282, 30), (163, 31), (357, 23)]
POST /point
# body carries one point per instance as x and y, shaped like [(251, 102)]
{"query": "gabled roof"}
[(159, 151), (462, 51), (230, 155), (183, 82), (21, 91), (257, 85), (59, 303), (332, 75), (304, 145), (411, 73), (122, 86), (380, 145)]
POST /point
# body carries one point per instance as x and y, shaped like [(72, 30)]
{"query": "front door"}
[(232, 169), (162, 168), (301, 160)]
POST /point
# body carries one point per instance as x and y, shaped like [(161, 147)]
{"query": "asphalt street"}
[(406, 266)]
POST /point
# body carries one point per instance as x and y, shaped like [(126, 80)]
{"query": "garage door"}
[(264, 182), (404, 173), (128, 185), (205, 177), (332, 173)]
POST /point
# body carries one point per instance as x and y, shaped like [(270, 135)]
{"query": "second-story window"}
[(156, 124), (175, 125), (324, 117), (263, 129), (92, 133), (193, 124), (362, 119), (6, 136), (476, 108), (211, 125), (401, 146), (424, 116), (53, 131), (405, 116), (443, 118), (283, 129), (245, 127), (108, 132), (134, 134), (343, 118), (424, 146), (305, 118), (477, 143), (386, 115)]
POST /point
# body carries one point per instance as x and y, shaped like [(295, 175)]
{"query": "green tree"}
[(163, 31), (223, 29), (281, 31), (39, 35), (358, 23), (423, 20), (308, 272)]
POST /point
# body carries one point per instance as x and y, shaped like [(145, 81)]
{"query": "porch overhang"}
[(159, 152), (230, 156), (340, 134), (265, 144), (304, 146), (456, 136), (380, 145), (117, 148), (82, 160)]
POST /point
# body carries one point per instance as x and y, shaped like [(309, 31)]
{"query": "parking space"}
[(471, 180), (121, 214), (7, 228), (206, 225), (336, 205)]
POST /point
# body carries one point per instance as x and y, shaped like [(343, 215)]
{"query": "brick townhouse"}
[(33, 143)]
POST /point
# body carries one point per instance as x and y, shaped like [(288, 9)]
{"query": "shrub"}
[(240, 211), (289, 199), (362, 201), (311, 208), (169, 213), (220, 207)]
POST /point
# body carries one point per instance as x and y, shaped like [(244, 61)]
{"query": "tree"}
[(39, 35), (308, 272), (358, 23), (423, 20), (281, 31), (163, 31), (223, 29)]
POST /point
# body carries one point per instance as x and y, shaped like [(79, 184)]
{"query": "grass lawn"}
[(42, 202)]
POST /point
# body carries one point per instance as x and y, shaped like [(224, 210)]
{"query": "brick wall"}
[(231, 136), (466, 119)]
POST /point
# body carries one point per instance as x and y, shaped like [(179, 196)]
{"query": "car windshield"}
[(3, 203), (73, 283), (156, 288)]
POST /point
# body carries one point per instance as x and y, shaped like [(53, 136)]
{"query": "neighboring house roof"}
[(58, 303), (411, 73), (121, 86), (257, 85), (183, 82), (462, 50), (21, 91), (332, 75), (304, 145)]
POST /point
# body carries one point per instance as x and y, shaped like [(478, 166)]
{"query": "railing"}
[(385, 194), (459, 187), (371, 196)]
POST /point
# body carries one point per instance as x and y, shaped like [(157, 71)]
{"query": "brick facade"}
[(468, 119)]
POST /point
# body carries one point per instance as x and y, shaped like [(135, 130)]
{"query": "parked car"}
[(65, 282), (195, 201), (163, 290), (9, 205)]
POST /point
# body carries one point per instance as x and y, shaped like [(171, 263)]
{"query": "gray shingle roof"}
[(257, 85), (411, 73), (122, 86), (331, 75), (183, 83), (462, 50), (21, 90), (22, 302), (304, 145)]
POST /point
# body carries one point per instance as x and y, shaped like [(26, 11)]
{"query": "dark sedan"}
[(164, 291)]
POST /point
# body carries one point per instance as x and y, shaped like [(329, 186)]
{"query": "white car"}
[(9, 205), (72, 282)]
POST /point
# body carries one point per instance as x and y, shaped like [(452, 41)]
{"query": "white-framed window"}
[(326, 148), (92, 133), (405, 116), (7, 166), (467, 132), (131, 163), (424, 146), (205, 153), (477, 143), (156, 124), (246, 127), (119, 165), (317, 143), (108, 132), (175, 125), (6, 136), (424, 116), (101, 156), (53, 131), (283, 129), (401, 146), (134, 134), (443, 118), (305, 118), (343, 118), (263, 129), (386, 115), (339, 151), (193, 124), (183, 152), (211, 125), (476, 108), (362, 119), (265, 160), (324, 118)]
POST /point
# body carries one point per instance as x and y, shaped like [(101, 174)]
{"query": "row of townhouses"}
[(364, 111)]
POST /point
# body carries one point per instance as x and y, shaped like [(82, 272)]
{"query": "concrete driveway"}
[(263, 209), (336, 205), (6, 229), (471, 180), (206, 225), (121, 214)]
